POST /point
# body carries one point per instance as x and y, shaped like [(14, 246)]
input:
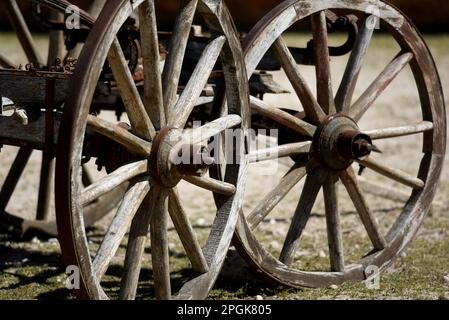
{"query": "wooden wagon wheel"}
[(44, 223), (151, 142), (330, 142)]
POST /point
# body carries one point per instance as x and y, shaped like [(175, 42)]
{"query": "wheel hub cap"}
[(171, 159), (338, 142)]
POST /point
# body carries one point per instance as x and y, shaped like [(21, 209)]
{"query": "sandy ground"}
[(33, 269)]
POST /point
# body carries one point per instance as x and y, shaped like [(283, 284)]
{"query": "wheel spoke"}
[(113, 180), (312, 186), (153, 98), (322, 63), (86, 177), (387, 133), (118, 227), (95, 7), (334, 235), (206, 132), (383, 191), (138, 235), (44, 196), (282, 117), (23, 33), (186, 233), (282, 151), (177, 48), (346, 90), (159, 250), (135, 109), (56, 45), (14, 174), (276, 195), (210, 184), (355, 193), (183, 108), (5, 62), (379, 85), (308, 101), (122, 136), (392, 173)]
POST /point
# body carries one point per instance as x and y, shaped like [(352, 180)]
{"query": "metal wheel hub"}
[(170, 159), (338, 142)]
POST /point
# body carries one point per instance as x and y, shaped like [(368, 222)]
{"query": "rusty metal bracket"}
[(305, 56)]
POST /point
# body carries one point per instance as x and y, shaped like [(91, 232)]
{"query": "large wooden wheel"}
[(39, 53), (327, 142), (151, 142)]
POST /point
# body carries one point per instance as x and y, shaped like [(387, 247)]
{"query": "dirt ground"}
[(33, 269)]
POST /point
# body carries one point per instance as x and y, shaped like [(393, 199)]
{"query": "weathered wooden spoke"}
[(133, 143), (276, 195), (159, 248), (333, 224), (140, 121), (5, 62), (14, 174), (56, 44), (395, 132), (118, 227), (86, 177), (23, 33), (177, 48), (392, 173), (113, 180), (282, 151), (367, 99), (138, 235), (210, 184), (383, 191), (322, 63), (186, 233), (282, 117), (350, 181), (210, 130), (308, 101), (345, 92), (196, 84), (312, 186), (95, 7), (153, 97), (44, 196)]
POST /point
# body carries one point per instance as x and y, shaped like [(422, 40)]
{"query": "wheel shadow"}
[(29, 265), (38, 265)]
